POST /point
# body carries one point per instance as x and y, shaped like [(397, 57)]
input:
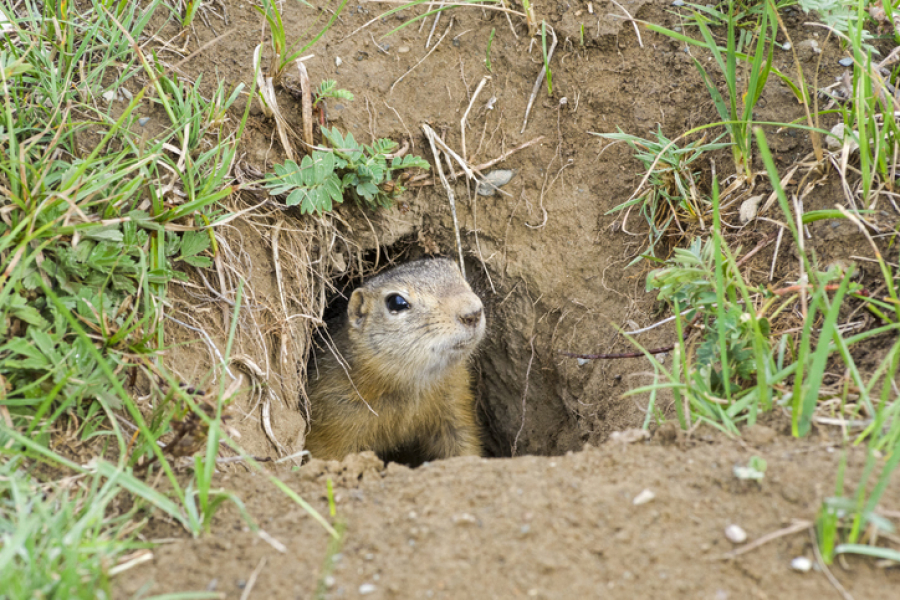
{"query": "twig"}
[(524, 398), (539, 80), (252, 580), (306, 102), (424, 176), (433, 48), (775, 254), (684, 337), (789, 530), (633, 22), (130, 561), (431, 135), (657, 324), (437, 18), (462, 122), (762, 244)]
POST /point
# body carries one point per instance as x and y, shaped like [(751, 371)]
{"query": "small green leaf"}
[(367, 189), (109, 233), (202, 262), (194, 242)]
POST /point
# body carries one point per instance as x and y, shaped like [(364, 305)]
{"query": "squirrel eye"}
[(396, 303)]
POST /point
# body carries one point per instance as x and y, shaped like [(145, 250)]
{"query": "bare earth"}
[(557, 527)]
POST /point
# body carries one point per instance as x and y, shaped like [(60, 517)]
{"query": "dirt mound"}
[(562, 527)]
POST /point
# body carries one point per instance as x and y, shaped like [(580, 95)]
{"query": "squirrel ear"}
[(356, 309)]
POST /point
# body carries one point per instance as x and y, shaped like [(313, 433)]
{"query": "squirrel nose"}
[(471, 319)]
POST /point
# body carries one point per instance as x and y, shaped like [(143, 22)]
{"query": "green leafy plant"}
[(58, 541), (87, 248), (690, 280), (283, 54), (842, 521), (324, 176), (329, 89), (671, 195), (736, 108)]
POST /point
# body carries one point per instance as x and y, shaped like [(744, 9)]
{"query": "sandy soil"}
[(559, 527), (550, 263)]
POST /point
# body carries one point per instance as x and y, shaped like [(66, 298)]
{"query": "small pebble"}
[(329, 581), (846, 62), (338, 61), (493, 180), (403, 49), (735, 534), (582, 361), (643, 498), (678, 3), (464, 519), (143, 121), (110, 96), (802, 564), (786, 46), (366, 588), (749, 208)]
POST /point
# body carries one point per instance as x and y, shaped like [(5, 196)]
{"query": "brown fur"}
[(402, 380)]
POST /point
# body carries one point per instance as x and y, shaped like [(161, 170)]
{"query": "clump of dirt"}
[(549, 261)]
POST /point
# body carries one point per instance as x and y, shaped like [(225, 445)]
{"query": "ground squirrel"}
[(401, 387)]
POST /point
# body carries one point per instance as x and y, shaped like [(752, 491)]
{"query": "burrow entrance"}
[(530, 399)]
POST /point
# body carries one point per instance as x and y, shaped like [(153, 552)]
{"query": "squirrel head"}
[(421, 317)]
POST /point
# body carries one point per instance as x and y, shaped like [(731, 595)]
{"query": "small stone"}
[(493, 181), (802, 564), (403, 49), (464, 519), (143, 121), (678, 3), (786, 46), (126, 94), (338, 61), (840, 136), (582, 361), (329, 581), (643, 498), (749, 208), (110, 96), (846, 62), (366, 588), (735, 534)]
